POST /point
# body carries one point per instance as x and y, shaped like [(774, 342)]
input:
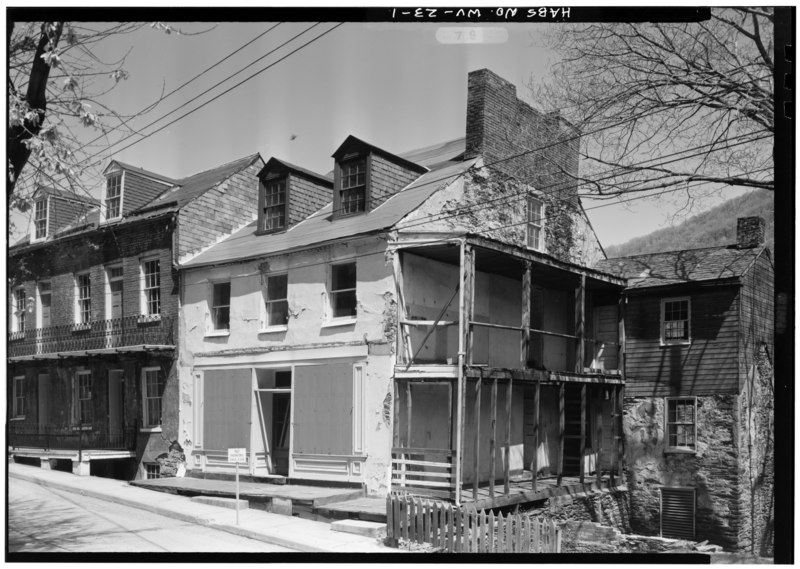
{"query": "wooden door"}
[(45, 310), (116, 300)]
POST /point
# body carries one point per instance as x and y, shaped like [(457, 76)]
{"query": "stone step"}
[(221, 502), (360, 527)]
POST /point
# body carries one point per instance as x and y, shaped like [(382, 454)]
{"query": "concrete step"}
[(221, 502), (360, 527)]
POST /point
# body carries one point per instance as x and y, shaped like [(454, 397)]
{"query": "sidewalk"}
[(287, 531)]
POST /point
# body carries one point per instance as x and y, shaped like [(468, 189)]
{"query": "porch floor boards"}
[(314, 496), (364, 508), (520, 491)]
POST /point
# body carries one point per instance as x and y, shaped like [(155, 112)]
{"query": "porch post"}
[(507, 469), (526, 316), (619, 392), (403, 338), (580, 323), (621, 336), (493, 440), (613, 434), (583, 430), (476, 462), (535, 461), (599, 446), (467, 279), (560, 465)]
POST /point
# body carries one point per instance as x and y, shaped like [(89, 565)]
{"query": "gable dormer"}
[(128, 188), (288, 194), (55, 209), (365, 176)]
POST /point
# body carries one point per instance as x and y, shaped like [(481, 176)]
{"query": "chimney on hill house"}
[(501, 126), (749, 232)]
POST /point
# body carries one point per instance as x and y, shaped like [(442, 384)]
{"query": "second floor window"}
[(276, 303), (221, 306), (114, 196), (275, 205), (151, 287), (675, 321), (343, 290), (353, 194), (18, 320), (535, 223), (83, 313), (40, 219)]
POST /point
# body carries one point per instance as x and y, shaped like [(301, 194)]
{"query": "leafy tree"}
[(56, 84), (669, 105)]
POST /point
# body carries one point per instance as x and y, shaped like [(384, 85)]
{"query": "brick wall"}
[(219, 212), (500, 126), (59, 261), (386, 179), (712, 470)]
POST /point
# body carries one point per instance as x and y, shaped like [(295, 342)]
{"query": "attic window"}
[(275, 205), (114, 196), (40, 219), (353, 191)]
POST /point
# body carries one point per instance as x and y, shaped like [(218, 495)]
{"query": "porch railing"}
[(61, 437), (424, 471), (97, 334)]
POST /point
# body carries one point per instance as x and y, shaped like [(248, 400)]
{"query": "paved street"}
[(43, 519)]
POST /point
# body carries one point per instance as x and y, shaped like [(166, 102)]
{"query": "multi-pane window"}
[(275, 205), (18, 320), (40, 219), (151, 287), (18, 397), (45, 297), (675, 320), (343, 290), (221, 306), (152, 470), (113, 196), (276, 302), (354, 188), (152, 388), (535, 222), (681, 423), (84, 397), (84, 295)]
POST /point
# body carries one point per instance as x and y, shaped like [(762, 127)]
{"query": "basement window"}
[(675, 321), (152, 470), (681, 427)]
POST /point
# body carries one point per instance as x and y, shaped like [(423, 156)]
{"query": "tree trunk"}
[(36, 97)]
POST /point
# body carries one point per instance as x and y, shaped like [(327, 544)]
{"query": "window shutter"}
[(677, 513)]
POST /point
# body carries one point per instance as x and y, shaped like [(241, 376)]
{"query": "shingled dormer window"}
[(274, 204), (113, 199), (353, 191), (40, 213)]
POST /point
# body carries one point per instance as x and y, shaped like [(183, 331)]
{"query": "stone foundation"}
[(608, 507)]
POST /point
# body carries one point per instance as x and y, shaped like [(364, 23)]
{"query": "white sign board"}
[(237, 455)]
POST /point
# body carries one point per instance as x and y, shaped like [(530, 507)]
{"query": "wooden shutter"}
[(226, 409), (677, 513), (323, 409)]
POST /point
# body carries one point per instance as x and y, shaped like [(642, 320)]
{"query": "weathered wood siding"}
[(226, 400), (707, 366), (757, 308), (138, 190), (63, 212), (323, 409)]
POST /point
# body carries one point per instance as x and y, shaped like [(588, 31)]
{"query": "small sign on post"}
[(237, 455)]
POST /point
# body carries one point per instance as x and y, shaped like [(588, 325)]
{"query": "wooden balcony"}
[(94, 336)]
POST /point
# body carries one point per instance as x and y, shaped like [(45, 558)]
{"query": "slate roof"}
[(679, 267), (320, 228)]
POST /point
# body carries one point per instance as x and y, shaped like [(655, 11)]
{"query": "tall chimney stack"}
[(749, 232)]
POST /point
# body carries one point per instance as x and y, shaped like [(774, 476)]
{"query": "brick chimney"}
[(749, 232), (501, 126)]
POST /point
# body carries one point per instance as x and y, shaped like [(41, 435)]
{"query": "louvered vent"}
[(677, 513)]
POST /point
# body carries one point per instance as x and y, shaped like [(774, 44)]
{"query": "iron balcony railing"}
[(61, 437), (97, 334)]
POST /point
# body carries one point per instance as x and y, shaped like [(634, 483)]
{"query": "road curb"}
[(170, 513)]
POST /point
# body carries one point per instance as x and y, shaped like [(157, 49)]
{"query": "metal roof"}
[(679, 267), (320, 228)]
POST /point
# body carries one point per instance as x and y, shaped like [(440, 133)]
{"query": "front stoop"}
[(221, 502), (360, 527)]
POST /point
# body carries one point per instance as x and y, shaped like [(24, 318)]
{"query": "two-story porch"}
[(89, 392), (508, 386)]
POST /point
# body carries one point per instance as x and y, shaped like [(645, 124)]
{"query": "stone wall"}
[(591, 537), (712, 470), (608, 507)]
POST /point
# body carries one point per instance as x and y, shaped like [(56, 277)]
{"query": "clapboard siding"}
[(138, 191), (707, 366), (63, 212), (757, 311)]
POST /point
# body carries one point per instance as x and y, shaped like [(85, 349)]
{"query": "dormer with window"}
[(128, 188), (365, 176), (288, 194), (41, 214)]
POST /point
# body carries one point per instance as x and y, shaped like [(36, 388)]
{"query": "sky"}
[(397, 86)]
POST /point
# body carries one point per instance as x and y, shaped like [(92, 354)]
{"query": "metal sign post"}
[(237, 455)]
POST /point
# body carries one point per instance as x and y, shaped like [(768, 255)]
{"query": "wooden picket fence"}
[(451, 528)]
